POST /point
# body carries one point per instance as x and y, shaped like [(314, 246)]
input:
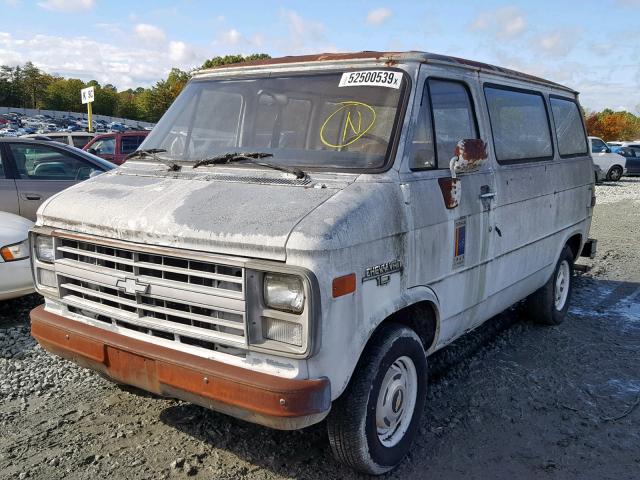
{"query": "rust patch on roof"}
[(388, 57)]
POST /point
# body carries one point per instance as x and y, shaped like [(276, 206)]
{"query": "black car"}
[(633, 159), (33, 170)]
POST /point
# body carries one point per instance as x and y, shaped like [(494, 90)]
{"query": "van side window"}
[(519, 124), (569, 130), (448, 105), (453, 117), (423, 155)]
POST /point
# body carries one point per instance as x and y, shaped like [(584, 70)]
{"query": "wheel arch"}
[(417, 309), (416, 302)]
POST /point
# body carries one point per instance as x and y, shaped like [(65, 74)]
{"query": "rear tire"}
[(549, 304), (615, 174), (373, 423)]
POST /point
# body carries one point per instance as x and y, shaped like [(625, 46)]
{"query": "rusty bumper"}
[(253, 396)]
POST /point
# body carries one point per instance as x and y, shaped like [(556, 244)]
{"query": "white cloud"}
[(149, 33), (181, 52), (558, 43), (378, 16), (305, 36), (67, 5), (125, 65), (504, 22), (231, 37)]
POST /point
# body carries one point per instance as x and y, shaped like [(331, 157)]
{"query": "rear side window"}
[(569, 131), (130, 143), (80, 141), (519, 123)]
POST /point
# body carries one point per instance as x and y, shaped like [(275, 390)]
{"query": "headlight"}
[(284, 292), (44, 248), (16, 251)]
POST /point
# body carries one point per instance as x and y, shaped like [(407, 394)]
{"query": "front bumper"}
[(256, 397)]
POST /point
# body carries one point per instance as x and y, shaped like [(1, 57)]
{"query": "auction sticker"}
[(371, 78)]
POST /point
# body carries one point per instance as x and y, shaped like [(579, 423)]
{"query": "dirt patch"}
[(510, 400)]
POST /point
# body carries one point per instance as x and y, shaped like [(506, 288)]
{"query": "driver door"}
[(452, 240)]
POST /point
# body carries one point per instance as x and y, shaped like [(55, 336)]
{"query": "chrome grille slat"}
[(151, 323), (152, 308), (152, 266), (188, 301)]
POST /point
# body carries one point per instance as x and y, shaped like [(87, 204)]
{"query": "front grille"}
[(190, 302)]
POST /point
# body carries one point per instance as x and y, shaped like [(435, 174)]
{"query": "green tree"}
[(229, 59)]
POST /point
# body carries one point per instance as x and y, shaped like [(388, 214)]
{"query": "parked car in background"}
[(633, 159), (617, 144), (15, 267), (599, 175), (75, 139), (611, 163), (33, 170), (115, 147)]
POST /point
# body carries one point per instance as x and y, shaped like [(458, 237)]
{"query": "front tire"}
[(615, 174), (549, 304), (372, 425)]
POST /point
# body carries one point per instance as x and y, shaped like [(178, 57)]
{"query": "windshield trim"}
[(394, 138)]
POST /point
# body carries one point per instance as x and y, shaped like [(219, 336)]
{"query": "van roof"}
[(389, 59)]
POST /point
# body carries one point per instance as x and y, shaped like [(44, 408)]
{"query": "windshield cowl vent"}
[(259, 179)]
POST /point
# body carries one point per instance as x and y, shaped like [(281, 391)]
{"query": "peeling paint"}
[(470, 155)]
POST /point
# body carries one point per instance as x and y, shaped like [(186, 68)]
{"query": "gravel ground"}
[(510, 400)]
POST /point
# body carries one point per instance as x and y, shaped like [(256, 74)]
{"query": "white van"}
[(297, 235), (613, 164)]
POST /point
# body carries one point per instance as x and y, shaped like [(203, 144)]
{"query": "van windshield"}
[(342, 120)]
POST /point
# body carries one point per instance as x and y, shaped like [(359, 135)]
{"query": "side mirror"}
[(469, 156)]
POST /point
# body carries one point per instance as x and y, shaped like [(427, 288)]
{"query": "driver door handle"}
[(31, 196), (488, 195)]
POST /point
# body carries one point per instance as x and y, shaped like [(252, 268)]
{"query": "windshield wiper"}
[(152, 152), (252, 158)]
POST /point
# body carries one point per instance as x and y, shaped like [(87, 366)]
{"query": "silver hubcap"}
[(396, 401), (561, 291), (615, 174)]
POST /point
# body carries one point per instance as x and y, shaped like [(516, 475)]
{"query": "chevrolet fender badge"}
[(382, 273)]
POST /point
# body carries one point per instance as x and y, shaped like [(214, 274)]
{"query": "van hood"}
[(216, 213)]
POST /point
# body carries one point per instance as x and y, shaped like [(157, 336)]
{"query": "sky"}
[(592, 46)]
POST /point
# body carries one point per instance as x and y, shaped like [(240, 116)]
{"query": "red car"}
[(116, 146)]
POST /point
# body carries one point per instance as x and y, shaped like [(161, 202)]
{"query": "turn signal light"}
[(344, 285)]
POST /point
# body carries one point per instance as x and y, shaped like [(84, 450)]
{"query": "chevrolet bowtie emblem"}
[(131, 286)]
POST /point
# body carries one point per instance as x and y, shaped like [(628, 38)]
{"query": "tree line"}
[(27, 86), (610, 125)]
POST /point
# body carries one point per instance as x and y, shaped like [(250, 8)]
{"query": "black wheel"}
[(372, 425), (614, 174), (549, 304)]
